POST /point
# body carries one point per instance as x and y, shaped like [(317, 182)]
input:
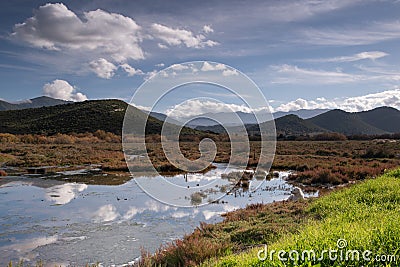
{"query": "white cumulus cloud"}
[(61, 89), (389, 98), (104, 39), (103, 68), (179, 67), (55, 27), (229, 72), (130, 70), (294, 105), (195, 107), (207, 66), (208, 29), (176, 37), (212, 67)]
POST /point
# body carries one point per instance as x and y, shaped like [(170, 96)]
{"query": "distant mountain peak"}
[(21, 102), (376, 121), (45, 97), (301, 113), (37, 102), (294, 125)]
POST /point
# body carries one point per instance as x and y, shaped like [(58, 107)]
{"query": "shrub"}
[(189, 251), (63, 139), (377, 153), (8, 138), (106, 136), (329, 137), (321, 176), (27, 138)]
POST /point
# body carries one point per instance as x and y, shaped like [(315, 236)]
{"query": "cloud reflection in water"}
[(64, 193)]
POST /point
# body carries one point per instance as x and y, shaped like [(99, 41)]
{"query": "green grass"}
[(241, 229), (366, 215)]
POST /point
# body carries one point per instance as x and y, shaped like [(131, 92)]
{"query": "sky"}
[(301, 54)]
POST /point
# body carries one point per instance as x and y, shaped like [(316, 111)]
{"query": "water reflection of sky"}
[(76, 223), (64, 193), (178, 190)]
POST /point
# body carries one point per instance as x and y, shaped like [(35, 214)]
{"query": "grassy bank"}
[(240, 230), (366, 216)]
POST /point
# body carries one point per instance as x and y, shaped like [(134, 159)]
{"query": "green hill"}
[(344, 122), (78, 117), (294, 125), (385, 118), (290, 125)]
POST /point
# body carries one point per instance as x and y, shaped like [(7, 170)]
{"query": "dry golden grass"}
[(315, 162)]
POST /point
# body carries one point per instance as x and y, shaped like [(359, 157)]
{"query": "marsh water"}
[(63, 222)]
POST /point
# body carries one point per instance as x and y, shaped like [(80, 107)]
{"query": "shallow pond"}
[(68, 223)]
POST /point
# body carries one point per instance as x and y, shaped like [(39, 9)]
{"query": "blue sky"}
[(302, 54)]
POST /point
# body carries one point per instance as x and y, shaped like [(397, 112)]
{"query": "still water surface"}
[(68, 223)]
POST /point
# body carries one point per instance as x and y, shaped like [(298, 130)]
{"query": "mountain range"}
[(377, 121), (38, 102), (302, 113), (380, 120), (228, 118), (46, 115)]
